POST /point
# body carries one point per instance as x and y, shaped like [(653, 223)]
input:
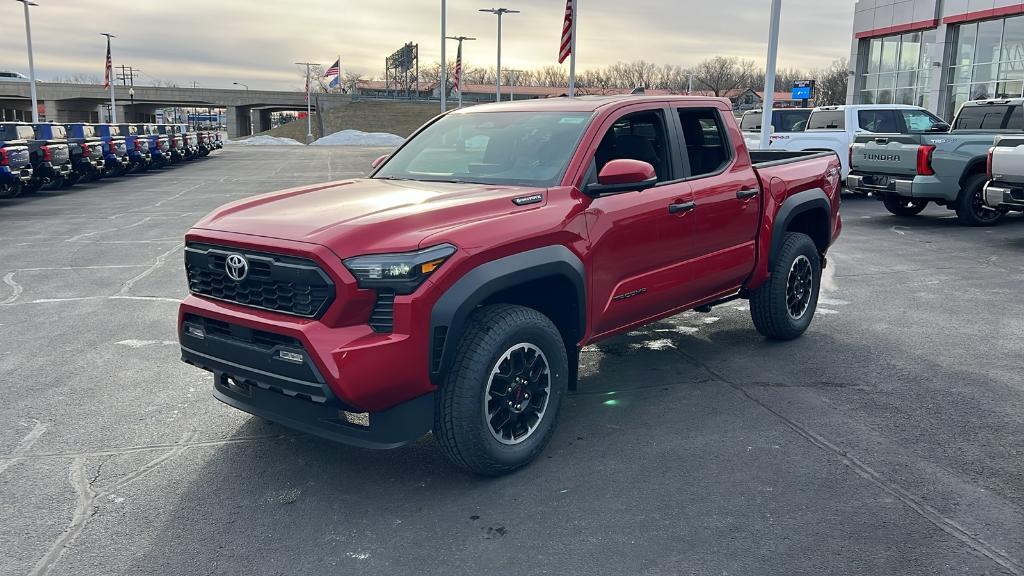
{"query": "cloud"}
[(257, 41)]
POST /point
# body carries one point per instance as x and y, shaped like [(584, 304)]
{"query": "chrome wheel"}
[(517, 393), (982, 212), (799, 287)]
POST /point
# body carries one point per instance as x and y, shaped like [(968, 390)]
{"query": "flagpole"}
[(572, 55), (110, 60), (309, 110), (443, 84)]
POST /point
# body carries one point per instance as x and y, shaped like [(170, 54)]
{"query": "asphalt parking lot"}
[(888, 440)]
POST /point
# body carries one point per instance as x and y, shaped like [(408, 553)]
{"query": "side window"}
[(1016, 121), (879, 121), (827, 120), (707, 145), (919, 121), (791, 121), (638, 136), (980, 118)]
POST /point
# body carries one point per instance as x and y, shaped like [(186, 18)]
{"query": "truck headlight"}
[(402, 273)]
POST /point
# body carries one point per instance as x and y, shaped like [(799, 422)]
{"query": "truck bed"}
[(766, 158)]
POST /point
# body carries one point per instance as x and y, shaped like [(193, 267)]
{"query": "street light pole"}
[(241, 84), (110, 64), (31, 63), (460, 39), (769, 75), (309, 110), (497, 77)]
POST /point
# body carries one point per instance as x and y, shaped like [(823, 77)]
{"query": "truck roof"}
[(580, 103), (867, 107), (995, 102)]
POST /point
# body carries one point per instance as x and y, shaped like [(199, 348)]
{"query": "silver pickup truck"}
[(1005, 188), (907, 171)]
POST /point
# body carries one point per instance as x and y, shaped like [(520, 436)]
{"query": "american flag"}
[(334, 70), (566, 48), (108, 70), (457, 79), (307, 84)]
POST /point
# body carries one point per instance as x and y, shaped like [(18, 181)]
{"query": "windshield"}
[(751, 121), (513, 148)]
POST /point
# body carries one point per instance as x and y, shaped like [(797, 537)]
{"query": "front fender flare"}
[(451, 311)]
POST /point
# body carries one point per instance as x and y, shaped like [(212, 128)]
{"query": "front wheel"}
[(900, 206), (970, 205), (783, 307), (497, 408)]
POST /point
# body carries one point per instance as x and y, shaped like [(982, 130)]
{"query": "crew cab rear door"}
[(727, 195)]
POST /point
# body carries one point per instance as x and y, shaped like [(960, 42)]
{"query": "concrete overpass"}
[(244, 109)]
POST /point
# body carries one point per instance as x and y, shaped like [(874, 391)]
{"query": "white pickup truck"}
[(783, 120), (834, 127), (1005, 187)]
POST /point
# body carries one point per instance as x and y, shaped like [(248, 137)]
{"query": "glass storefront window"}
[(904, 79), (990, 33), (966, 39), (874, 55), (983, 91), (1009, 89), (910, 51), (905, 96), (890, 48)]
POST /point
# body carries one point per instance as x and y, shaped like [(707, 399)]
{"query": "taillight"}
[(924, 160), (138, 145), (3, 157), (988, 162), (47, 155), (85, 149)]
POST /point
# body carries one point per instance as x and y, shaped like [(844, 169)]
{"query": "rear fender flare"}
[(795, 205), (451, 311)]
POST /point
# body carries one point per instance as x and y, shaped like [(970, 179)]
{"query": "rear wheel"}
[(498, 406), (783, 307), (970, 205), (32, 186), (901, 206)]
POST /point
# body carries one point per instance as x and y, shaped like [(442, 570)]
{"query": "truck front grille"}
[(271, 281)]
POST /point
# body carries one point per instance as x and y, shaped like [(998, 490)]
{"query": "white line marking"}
[(17, 289), (178, 195), (25, 445), (158, 263), (144, 343), (87, 234)]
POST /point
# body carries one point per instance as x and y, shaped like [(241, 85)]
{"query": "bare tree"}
[(79, 78), (831, 83), (723, 74)]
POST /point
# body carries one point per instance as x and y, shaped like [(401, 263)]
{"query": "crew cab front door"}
[(641, 242)]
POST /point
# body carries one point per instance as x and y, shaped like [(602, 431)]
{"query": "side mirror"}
[(380, 160), (623, 175)]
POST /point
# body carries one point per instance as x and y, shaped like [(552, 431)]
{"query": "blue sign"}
[(803, 90)]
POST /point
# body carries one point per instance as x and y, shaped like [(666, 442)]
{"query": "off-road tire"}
[(32, 187), (769, 304), (970, 206), (900, 206), (460, 421), (11, 190)]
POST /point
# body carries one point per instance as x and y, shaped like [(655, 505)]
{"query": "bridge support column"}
[(239, 121), (263, 121)]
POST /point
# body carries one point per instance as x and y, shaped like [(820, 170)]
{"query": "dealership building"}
[(936, 53)]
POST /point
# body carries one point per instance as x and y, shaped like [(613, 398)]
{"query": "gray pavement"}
[(888, 440)]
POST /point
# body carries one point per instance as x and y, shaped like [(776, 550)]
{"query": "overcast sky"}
[(255, 41)]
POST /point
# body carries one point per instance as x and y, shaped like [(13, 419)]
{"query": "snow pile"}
[(264, 140), (358, 138)]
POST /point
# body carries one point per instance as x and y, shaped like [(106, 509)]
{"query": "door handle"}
[(746, 193), (683, 207)]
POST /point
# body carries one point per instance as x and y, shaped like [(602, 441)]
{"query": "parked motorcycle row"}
[(53, 156)]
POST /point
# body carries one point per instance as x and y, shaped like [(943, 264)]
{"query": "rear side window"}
[(919, 121), (751, 121), (981, 118), (878, 121), (1016, 121), (827, 120), (707, 146)]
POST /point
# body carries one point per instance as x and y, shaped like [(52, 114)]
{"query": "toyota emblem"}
[(237, 267)]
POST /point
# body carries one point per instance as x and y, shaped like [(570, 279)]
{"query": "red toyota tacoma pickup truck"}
[(452, 289)]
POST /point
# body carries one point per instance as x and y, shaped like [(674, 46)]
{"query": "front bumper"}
[(1001, 196), (274, 377)]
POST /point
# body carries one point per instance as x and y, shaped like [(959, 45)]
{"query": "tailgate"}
[(893, 154), (1008, 160), (17, 156), (59, 153)]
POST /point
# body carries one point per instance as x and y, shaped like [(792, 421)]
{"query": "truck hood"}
[(367, 215)]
